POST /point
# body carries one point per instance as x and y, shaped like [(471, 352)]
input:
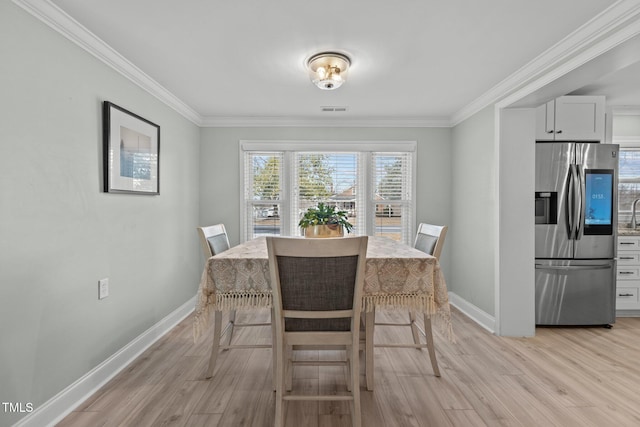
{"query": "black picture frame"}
[(131, 152)]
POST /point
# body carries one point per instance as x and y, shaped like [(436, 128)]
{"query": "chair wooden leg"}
[(280, 384), (430, 346), (232, 322), (349, 356), (354, 379), (414, 328), (288, 367), (274, 352), (279, 422), (217, 330), (370, 318)]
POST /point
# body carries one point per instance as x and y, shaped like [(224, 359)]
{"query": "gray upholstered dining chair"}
[(429, 239), (214, 240), (317, 287)]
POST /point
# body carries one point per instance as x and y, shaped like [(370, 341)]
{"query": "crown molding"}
[(64, 24), (625, 110), (215, 121), (613, 26)]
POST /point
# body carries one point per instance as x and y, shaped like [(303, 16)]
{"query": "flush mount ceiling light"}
[(328, 70)]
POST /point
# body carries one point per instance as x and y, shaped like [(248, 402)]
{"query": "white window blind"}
[(327, 177), (263, 186), (392, 195)]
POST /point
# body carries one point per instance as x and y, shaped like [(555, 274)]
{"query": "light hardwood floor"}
[(562, 377)]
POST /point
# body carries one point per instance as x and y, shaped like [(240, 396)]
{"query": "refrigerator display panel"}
[(598, 213)]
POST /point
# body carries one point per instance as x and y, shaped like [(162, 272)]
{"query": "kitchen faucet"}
[(633, 213)]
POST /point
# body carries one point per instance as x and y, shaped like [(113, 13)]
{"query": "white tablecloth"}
[(396, 275)]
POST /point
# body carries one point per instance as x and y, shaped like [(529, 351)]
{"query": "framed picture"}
[(131, 152)]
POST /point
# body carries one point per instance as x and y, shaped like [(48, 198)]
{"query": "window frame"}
[(365, 148)]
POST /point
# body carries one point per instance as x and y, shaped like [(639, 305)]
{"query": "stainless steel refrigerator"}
[(575, 233)]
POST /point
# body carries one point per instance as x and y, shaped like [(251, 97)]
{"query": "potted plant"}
[(324, 221)]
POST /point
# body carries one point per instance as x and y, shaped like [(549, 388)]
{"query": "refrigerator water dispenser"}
[(547, 207)]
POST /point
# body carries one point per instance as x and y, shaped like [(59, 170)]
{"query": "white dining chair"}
[(317, 287), (429, 239), (214, 240)]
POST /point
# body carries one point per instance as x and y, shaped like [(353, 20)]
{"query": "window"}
[(262, 192), (392, 197), (628, 181), (373, 182), (330, 178)]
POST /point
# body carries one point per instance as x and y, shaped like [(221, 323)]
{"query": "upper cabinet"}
[(571, 118)]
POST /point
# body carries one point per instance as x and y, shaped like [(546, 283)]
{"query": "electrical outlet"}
[(103, 288)]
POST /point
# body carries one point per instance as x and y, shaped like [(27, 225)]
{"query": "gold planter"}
[(320, 231)]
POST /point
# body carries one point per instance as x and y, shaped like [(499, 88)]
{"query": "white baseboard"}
[(474, 313), (627, 313), (59, 406)]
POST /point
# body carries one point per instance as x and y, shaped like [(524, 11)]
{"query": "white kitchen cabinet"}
[(571, 118), (628, 273)]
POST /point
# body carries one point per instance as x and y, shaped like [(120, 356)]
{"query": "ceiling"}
[(413, 59), (621, 87)]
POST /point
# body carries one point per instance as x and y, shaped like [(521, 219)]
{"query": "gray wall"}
[(59, 233), (474, 210), (515, 307), (220, 177), (626, 126)]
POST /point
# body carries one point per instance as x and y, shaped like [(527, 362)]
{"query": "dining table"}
[(396, 276)]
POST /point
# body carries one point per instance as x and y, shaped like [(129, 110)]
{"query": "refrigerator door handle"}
[(573, 267), (582, 203), (571, 201)]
